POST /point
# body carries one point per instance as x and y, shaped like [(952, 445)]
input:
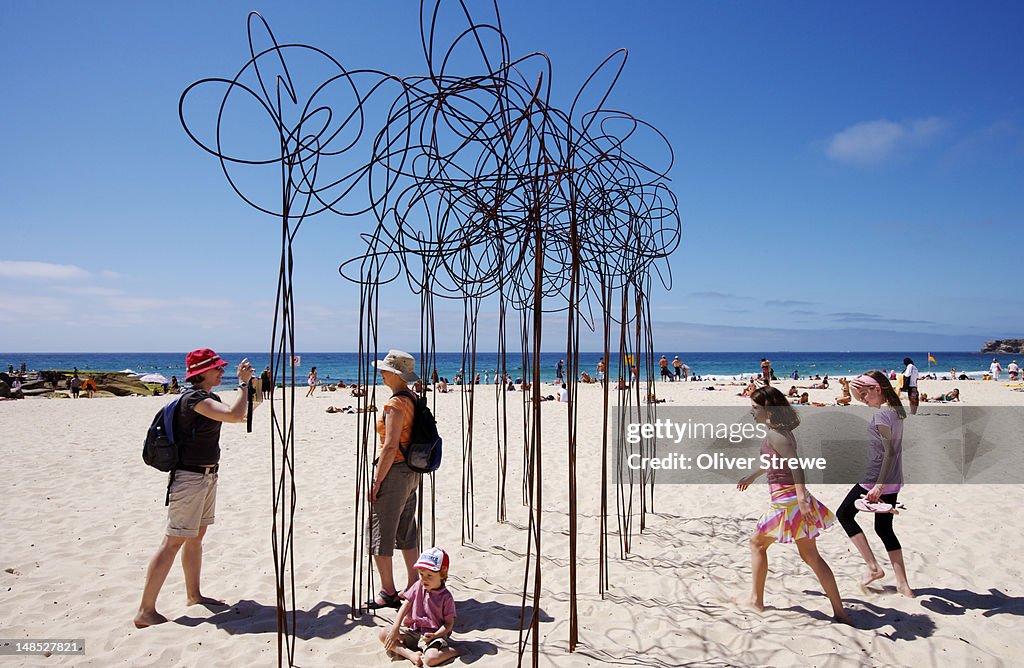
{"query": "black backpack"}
[(160, 450), (423, 454)]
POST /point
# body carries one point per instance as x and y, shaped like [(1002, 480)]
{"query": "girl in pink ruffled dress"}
[(794, 515)]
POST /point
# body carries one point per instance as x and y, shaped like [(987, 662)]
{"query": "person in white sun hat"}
[(392, 494)]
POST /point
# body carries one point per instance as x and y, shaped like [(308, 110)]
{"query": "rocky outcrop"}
[(56, 383), (1004, 347)]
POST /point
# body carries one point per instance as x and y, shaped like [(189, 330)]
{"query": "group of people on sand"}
[(794, 515), (996, 369), (426, 609), (679, 371)]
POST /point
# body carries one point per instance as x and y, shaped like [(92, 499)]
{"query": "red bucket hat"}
[(203, 359)]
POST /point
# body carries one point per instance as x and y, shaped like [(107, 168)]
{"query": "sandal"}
[(390, 601), (866, 506)]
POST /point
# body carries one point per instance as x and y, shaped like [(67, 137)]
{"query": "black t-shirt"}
[(203, 447)]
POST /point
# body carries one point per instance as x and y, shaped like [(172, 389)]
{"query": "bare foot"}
[(842, 618), (144, 619), (876, 574), (206, 600), (752, 603), (906, 591)]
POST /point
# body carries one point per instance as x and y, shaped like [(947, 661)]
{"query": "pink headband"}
[(864, 380)]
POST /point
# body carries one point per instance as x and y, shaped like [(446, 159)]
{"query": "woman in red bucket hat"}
[(192, 491)]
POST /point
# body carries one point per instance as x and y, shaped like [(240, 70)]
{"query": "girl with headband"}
[(883, 480)]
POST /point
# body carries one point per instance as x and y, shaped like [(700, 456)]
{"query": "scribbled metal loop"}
[(473, 184)]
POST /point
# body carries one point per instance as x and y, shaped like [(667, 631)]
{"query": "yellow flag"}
[(931, 359)]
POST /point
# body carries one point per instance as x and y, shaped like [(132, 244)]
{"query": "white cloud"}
[(21, 311), (41, 270), (876, 141)]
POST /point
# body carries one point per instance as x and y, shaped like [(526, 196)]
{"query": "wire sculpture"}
[(479, 188)]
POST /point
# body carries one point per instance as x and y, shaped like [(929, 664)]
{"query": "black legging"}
[(883, 521)]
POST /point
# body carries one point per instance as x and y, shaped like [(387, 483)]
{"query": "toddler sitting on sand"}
[(425, 620)]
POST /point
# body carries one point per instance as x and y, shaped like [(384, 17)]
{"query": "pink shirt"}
[(429, 608), (779, 476)]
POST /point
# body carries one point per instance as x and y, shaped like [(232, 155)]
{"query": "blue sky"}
[(849, 177)]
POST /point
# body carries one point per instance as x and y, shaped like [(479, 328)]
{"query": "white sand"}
[(83, 515)]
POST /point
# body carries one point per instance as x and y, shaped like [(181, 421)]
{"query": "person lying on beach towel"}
[(953, 395)]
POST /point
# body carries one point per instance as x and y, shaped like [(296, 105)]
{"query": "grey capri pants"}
[(393, 515)]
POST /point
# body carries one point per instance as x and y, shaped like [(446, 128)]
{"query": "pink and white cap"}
[(435, 559)]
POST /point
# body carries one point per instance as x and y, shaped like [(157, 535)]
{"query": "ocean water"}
[(343, 366)]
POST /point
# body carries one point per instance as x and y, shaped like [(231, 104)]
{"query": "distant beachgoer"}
[(313, 380), (267, 384), (586, 378), (1013, 370), (794, 514), (749, 390), (953, 395), (192, 491), (796, 374), (793, 392), (766, 370), (804, 399), (634, 374), (678, 366), (995, 369), (76, 386), (663, 363), (560, 370), (686, 371), (563, 394), (600, 370), (89, 385), (910, 385), (883, 479), (174, 388), (476, 380), (847, 398)]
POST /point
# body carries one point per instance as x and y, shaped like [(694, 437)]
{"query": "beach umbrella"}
[(154, 378)]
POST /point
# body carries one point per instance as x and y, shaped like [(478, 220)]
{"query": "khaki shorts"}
[(193, 499), (393, 515)]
